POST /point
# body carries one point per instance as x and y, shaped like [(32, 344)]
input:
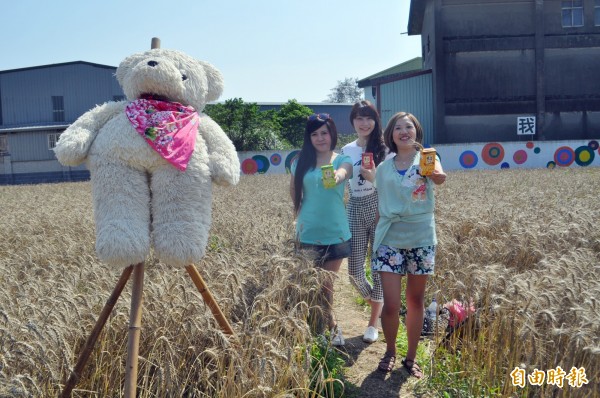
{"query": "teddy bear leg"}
[(122, 212), (181, 214)]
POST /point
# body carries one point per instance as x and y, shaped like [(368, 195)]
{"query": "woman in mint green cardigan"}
[(405, 237)]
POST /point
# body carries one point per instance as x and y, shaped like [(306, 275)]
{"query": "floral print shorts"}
[(417, 261)]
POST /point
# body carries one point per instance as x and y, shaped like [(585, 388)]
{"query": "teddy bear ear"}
[(214, 80), (124, 67)]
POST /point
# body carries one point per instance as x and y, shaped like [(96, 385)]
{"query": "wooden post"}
[(209, 299), (135, 321), (155, 43), (91, 341)]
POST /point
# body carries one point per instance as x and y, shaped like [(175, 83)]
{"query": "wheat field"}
[(524, 245)]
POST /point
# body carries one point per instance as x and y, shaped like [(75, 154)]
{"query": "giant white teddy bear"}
[(152, 159)]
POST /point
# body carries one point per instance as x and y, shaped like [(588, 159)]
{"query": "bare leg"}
[(392, 289), (334, 266), (376, 307), (415, 297)]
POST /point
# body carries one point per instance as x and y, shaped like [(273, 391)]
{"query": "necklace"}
[(404, 164), (361, 145)]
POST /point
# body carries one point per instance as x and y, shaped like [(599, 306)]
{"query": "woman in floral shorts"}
[(405, 235)]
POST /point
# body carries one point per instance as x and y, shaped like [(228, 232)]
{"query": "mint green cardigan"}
[(406, 206)]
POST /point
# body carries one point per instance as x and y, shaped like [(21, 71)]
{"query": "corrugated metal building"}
[(503, 69), (36, 105), (403, 87)]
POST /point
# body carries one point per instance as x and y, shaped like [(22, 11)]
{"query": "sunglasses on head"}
[(322, 117)]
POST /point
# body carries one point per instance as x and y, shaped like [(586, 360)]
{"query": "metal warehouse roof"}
[(18, 129), (59, 64), (412, 65)]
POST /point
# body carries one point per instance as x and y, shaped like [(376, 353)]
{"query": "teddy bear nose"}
[(152, 63)]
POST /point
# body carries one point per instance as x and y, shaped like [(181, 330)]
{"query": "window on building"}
[(3, 144), (597, 13), (58, 109), (118, 98), (52, 140), (572, 13)]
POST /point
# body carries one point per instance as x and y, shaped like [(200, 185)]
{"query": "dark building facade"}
[(503, 70)]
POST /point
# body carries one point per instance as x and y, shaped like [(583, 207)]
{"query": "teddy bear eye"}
[(183, 77)]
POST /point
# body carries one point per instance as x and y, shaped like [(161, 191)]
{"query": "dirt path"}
[(362, 358)]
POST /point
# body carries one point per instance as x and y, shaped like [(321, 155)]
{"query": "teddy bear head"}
[(170, 75)]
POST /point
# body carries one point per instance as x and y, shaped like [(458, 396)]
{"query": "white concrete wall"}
[(478, 156)]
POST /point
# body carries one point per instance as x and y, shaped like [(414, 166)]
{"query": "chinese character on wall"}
[(525, 125)]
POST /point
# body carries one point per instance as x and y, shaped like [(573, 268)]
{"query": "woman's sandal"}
[(386, 364), (412, 368)]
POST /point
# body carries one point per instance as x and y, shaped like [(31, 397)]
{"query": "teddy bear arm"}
[(74, 143), (223, 159)]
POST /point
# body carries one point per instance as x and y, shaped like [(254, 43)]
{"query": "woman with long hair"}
[(362, 206), (321, 222)]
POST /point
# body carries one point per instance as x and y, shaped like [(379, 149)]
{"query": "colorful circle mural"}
[(537, 150), (550, 165), (593, 145), (520, 156), (249, 166), (492, 153), (529, 145), (505, 165), (584, 155), (275, 159), (468, 159), (288, 160), (262, 162), (564, 156)]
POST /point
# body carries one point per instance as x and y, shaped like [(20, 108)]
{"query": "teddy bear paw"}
[(179, 244), (72, 147), (118, 244)]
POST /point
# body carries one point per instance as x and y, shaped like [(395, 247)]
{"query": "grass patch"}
[(326, 369)]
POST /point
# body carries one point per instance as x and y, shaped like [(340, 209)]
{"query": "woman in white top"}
[(362, 206)]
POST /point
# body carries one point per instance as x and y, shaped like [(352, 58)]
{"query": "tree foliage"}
[(248, 128), (253, 130), (346, 91), (292, 119)]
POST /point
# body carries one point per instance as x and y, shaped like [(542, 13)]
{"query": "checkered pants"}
[(361, 216)]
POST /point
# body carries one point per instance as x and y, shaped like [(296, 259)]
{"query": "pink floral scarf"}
[(170, 128)]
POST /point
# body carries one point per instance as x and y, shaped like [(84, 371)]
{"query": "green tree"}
[(292, 119), (248, 128), (346, 91)]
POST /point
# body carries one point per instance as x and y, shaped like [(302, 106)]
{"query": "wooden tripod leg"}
[(91, 341), (135, 323), (209, 299)]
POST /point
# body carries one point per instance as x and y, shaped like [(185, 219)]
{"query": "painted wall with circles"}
[(477, 156)]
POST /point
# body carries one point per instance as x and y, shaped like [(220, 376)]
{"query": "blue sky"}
[(267, 50)]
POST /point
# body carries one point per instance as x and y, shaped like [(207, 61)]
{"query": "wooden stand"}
[(135, 323)]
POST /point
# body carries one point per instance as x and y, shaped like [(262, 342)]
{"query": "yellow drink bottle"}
[(427, 161), (328, 176)]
